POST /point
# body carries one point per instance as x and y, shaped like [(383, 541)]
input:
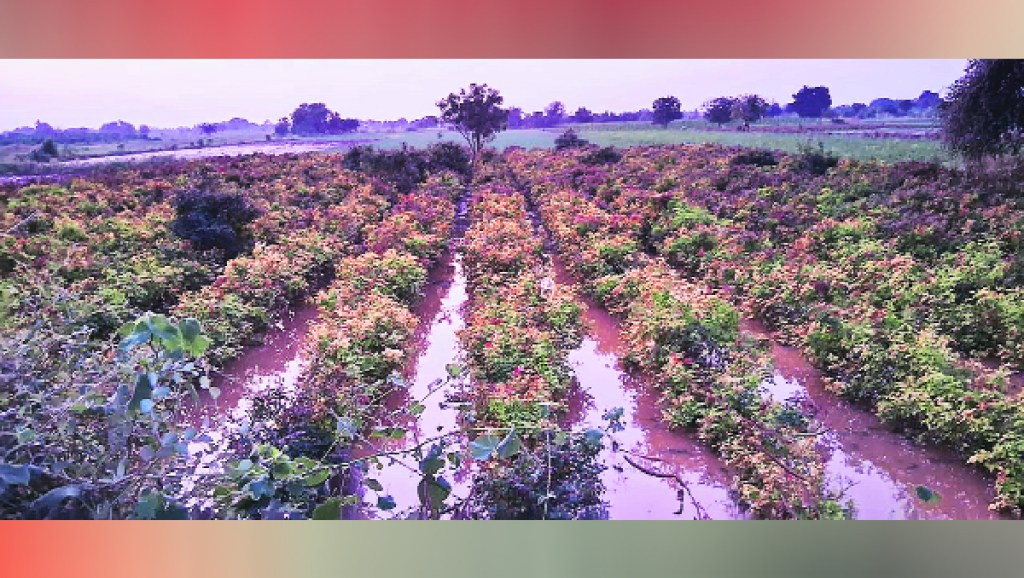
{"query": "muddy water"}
[(879, 470), (277, 364), (632, 494), (440, 311)]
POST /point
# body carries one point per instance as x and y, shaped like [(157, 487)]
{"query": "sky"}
[(171, 93)]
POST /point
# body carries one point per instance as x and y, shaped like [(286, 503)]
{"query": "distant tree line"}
[(115, 131), (556, 114)]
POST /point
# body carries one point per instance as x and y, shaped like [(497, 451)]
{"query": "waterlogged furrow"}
[(875, 468), (520, 327), (687, 340), (354, 349), (366, 321), (652, 473), (878, 310)]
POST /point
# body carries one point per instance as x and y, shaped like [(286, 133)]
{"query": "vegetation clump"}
[(214, 221)]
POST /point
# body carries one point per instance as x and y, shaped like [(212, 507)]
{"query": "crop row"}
[(254, 290), (883, 318), (355, 347), (686, 340), (520, 325)]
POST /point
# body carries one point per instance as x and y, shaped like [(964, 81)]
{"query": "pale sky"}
[(170, 93)]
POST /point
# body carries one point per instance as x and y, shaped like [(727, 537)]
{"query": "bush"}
[(755, 157), (212, 220), (448, 156), (815, 160), (602, 156), (569, 139)]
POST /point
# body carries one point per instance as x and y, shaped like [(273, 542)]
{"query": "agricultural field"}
[(650, 330), (887, 140)]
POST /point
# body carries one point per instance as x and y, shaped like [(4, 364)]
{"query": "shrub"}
[(815, 160), (602, 156), (755, 157), (212, 220), (569, 139)]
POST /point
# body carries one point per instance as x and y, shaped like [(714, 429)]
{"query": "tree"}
[(119, 128), (208, 127), (811, 102), (750, 108), (554, 113), (282, 127), (211, 220), (476, 114), (666, 110), (583, 115), (719, 110), (144, 131), (983, 115), (316, 118), (515, 117), (928, 100)]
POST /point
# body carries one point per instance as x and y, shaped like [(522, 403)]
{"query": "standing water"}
[(877, 469), (275, 365), (427, 377), (681, 479)]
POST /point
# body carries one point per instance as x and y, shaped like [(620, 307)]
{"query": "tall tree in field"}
[(811, 102), (984, 112), (476, 114), (665, 110), (750, 108), (719, 110)]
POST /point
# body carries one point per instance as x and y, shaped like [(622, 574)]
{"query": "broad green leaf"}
[(143, 390), (55, 497), (509, 446), (316, 478), (26, 436), (593, 436), (190, 330), (417, 409), (483, 447), (162, 328), (434, 491), (927, 495), (329, 510), (260, 487), (386, 502), (282, 469), (148, 505), (373, 484), (453, 369), (560, 438), (134, 339), (172, 511), (431, 465)]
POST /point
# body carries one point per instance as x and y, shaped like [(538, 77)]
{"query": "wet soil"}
[(879, 470)]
